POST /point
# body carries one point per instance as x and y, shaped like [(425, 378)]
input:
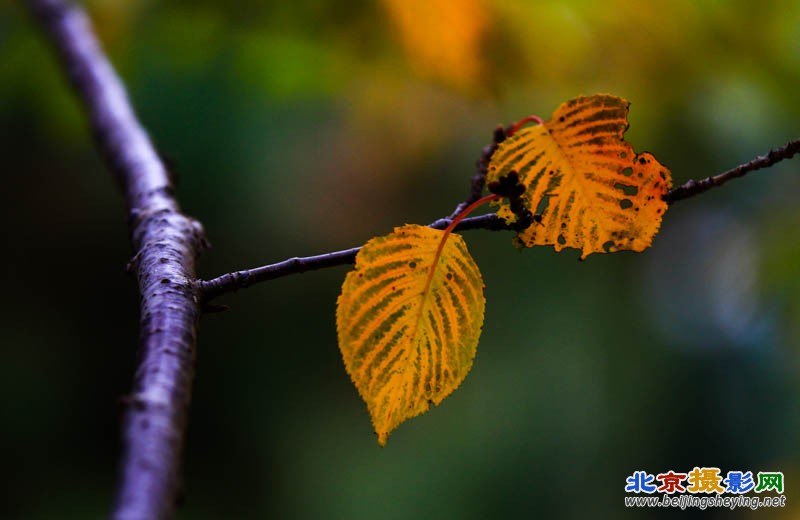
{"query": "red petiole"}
[(522, 122), (469, 209)]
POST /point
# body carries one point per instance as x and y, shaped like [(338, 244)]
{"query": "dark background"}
[(302, 127)]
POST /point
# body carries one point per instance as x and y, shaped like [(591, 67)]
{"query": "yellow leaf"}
[(408, 319), (594, 193)]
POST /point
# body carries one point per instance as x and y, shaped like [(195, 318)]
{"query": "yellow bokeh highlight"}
[(442, 38)]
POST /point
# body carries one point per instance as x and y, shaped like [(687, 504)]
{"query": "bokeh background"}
[(300, 127)]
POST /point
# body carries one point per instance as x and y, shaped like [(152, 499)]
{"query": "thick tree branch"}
[(693, 187), (240, 279), (166, 243)]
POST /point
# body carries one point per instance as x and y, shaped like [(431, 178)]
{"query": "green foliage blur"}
[(300, 127)]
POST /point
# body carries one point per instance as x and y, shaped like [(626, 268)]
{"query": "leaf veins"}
[(593, 191), (408, 320)]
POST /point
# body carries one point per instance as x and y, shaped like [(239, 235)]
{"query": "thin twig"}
[(478, 180), (240, 279), (166, 243), (693, 187), (234, 281), (231, 282)]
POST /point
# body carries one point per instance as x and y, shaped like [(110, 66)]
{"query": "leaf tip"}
[(382, 438)]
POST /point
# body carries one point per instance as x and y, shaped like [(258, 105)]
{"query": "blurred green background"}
[(302, 127)]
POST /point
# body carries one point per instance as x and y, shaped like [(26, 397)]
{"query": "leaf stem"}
[(522, 122), (466, 211), (469, 209), (445, 235)]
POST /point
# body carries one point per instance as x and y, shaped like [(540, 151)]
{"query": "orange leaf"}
[(594, 193), (408, 319)]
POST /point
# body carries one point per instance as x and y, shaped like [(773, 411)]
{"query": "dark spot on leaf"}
[(542, 206), (623, 155), (625, 203), (663, 174), (412, 265), (562, 240), (449, 276), (608, 246), (641, 160), (630, 191), (561, 119), (627, 172)]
